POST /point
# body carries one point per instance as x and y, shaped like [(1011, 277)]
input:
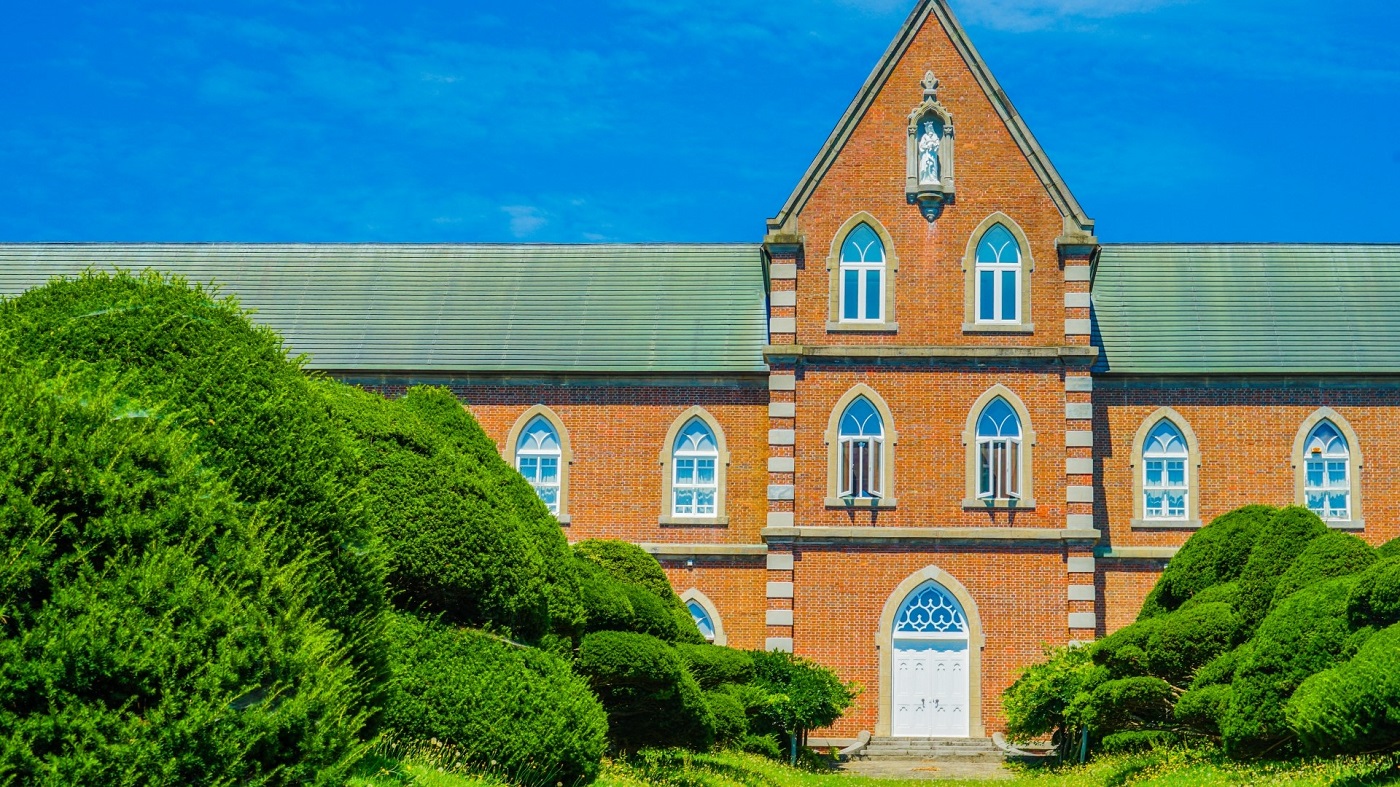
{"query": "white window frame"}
[(694, 458), (862, 457), (529, 448), (862, 268), (995, 457), (1161, 457), (997, 268), (1325, 459)]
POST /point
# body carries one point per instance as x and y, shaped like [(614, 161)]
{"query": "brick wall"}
[(734, 586)]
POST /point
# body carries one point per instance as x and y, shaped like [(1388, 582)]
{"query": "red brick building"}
[(927, 427)]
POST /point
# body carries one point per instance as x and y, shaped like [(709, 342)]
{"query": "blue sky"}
[(665, 120)]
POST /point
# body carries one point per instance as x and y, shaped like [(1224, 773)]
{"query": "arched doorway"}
[(930, 665)]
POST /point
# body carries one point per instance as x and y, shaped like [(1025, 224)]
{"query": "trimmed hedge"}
[(713, 665), (200, 362), (651, 699), (1351, 707), (1214, 555), (1281, 540), (506, 707), (633, 569), (1329, 556), (731, 724), (456, 544), (145, 635), (1375, 601)]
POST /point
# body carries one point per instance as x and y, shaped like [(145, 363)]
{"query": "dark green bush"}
[(145, 635), (1202, 709), (1221, 669), (804, 695), (1352, 707), (456, 544), (202, 363), (1307, 633), (713, 665), (630, 565), (731, 724), (1213, 555), (1188, 639), (505, 707), (1389, 549), (1281, 540), (762, 745), (651, 699), (1135, 741), (1375, 600), (1042, 700), (441, 410), (1329, 556), (1129, 703), (1226, 593)]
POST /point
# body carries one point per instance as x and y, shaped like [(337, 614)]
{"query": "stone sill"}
[(999, 505), (1351, 524), (937, 534), (977, 327), (683, 521), (862, 327), (864, 503), (1166, 524)]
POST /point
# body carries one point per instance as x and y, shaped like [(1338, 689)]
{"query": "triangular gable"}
[(1077, 224)]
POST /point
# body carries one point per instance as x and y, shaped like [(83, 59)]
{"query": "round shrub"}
[(651, 699), (1389, 549), (1221, 669), (505, 707), (251, 409), (804, 695), (1039, 703), (1375, 600), (1128, 703), (1307, 633), (1328, 556), (731, 724), (1225, 593), (762, 745), (1353, 707), (455, 544), (1201, 709), (630, 565), (145, 636), (1213, 555), (1188, 639), (1281, 540), (713, 665), (1124, 652)]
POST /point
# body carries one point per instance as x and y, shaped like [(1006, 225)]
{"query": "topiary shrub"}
[(507, 708), (1226, 593), (1221, 669), (1375, 600), (200, 362), (1281, 540), (456, 545), (630, 565), (1188, 639), (1328, 556), (1214, 555), (1201, 709), (1353, 707), (762, 745), (713, 665), (1389, 549), (1136, 741), (1128, 704), (803, 695), (651, 699), (1307, 633), (731, 724), (145, 636)]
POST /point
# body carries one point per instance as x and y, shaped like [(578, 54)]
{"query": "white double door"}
[(930, 689)]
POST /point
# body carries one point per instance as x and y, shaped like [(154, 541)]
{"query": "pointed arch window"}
[(999, 452), (538, 456), (702, 620), (862, 451), (862, 276), (1165, 484), (931, 610), (998, 276), (695, 461), (1327, 473)]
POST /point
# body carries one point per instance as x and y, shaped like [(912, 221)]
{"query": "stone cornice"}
[(779, 353), (963, 535), (1135, 553), (705, 550)]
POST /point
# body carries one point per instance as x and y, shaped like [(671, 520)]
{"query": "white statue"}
[(929, 143)]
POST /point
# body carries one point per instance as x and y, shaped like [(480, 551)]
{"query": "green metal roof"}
[(1248, 309), (467, 308)]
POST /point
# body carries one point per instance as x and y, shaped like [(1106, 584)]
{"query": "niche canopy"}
[(929, 178)]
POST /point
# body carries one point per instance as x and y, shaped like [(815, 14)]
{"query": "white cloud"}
[(525, 220)]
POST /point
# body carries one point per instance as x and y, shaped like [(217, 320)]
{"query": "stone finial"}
[(930, 84)]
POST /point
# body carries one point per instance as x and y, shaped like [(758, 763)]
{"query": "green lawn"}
[(1167, 769)]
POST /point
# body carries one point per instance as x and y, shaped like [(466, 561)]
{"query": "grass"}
[(429, 767)]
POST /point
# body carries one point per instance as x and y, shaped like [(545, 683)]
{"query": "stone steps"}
[(964, 749)]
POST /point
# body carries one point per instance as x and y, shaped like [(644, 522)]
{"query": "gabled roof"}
[(1040, 162), (1229, 309), (672, 309)]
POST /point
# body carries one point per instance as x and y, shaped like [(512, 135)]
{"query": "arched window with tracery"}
[(1165, 483), (999, 452), (998, 276), (862, 450), (862, 276), (695, 480), (538, 456), (931, 609), (1327, 473)]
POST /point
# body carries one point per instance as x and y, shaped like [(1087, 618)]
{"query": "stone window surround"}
[(976, 641), (1354, 467), (666, 460), (1193, 473), (833, 267), (566, 453), (1027, 501), (970, 324), (833, 452), (704, 601)]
